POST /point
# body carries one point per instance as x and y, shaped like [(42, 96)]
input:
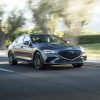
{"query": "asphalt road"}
[(23, 82)]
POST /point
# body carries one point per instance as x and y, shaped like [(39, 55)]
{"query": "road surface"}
[(23, 82)]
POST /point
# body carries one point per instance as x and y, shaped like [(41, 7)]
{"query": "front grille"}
[(69, 54)]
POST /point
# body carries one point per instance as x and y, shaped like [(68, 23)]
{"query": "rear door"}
[(18, 47)]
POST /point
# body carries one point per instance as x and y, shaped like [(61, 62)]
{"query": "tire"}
[(38, 61), (11, 59), (77, 65)]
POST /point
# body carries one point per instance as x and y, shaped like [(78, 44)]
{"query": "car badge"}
[(72, 52)]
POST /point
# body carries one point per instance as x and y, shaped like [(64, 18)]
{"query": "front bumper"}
[(62, 61)]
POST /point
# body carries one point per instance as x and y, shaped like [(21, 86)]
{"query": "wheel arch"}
[(35, 53), (9, 51), (40, 53)]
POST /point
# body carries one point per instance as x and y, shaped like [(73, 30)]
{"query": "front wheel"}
[(38, 61), (77, 65), (11, 59)]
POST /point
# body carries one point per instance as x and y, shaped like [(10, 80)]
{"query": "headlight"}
[(49, 51), (82, 49)]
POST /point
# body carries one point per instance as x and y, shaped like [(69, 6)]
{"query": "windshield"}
[(46, 39)]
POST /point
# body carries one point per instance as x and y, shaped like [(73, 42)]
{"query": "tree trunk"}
[(75, 29), (2, 43), (3, 40), (40, 23)]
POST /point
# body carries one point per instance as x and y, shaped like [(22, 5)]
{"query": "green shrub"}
[(86, 39)]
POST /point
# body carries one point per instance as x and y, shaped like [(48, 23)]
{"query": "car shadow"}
[(58, 67), (28, 67), (46, 67)]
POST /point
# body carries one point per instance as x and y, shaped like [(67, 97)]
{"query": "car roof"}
[(38, 34), (41, 34)]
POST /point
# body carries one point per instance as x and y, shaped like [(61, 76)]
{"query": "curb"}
[(93, 62)]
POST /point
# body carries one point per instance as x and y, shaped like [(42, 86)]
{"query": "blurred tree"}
[(1, 17), (19, 32), (10, 24), (76, 14), (38, 16), (36, 30), (51, 23)]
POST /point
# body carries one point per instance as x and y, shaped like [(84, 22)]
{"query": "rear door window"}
[(21, 40)]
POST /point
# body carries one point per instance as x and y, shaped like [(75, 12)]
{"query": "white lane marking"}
[(6, 70)]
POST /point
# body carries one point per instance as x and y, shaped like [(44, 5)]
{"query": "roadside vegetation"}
[(89, 38), (46, 15), (92, 48), (93, 51)]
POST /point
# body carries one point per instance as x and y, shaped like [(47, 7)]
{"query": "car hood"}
[(56, 46)]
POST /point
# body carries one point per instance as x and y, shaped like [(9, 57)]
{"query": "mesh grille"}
[(71, 54)]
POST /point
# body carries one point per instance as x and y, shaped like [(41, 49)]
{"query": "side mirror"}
[(27, 43), (68, 42)]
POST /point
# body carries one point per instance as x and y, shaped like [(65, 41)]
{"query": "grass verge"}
[(92, 51)]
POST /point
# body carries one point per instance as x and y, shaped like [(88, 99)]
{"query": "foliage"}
[(86, 39), (1, 11), (37, 16), (75, 16), (19, 32), (9, 24), (36, 30), (92, 47), (92, 51), (63, 8), (14, 21), (60, 34)]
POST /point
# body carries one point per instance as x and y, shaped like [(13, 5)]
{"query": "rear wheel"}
[(38, 61), (11, 59), (77, 65)]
